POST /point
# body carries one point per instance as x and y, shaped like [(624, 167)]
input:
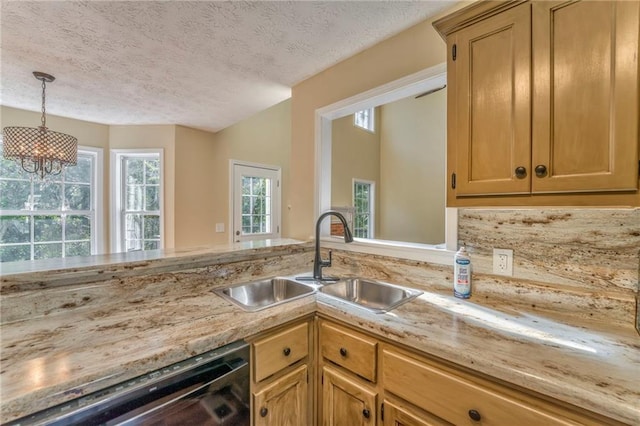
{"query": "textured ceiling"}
[(201, 64)]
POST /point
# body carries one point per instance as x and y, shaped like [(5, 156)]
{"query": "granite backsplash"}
[(573, 261)]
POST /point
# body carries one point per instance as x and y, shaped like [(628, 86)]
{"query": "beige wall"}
[(355, 153), (412, 169), (264, 138), (415, 49), (194, 177), (88, 134)]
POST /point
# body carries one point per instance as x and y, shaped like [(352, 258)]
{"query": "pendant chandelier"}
[(37, 149)]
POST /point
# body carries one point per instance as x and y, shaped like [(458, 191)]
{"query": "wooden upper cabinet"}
[(543, 99), (585, 99), (492, 98)]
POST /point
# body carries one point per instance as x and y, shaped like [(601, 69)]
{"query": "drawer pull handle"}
[(264, 412), (366, 413), (286, 351), (343, 351), (475, 415)]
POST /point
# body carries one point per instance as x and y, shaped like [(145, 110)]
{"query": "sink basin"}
[(262, 294), (374, 295)]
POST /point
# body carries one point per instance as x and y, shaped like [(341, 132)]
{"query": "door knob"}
[(521, 172), (366, 413), (286, 351), (264, 412), (343, 352)]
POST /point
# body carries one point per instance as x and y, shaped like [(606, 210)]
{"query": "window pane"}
[(133, 226), (15, 253), (151, 245), (47, 196), (133, 245), (258, 205), (47, 251), (11, 169), (258, 185), (77, 197), (15, 229), (256, 228), (47, 228), (152, 198), (151, 227), (14, 194), (246, 205), (134, 198), (81, 172), (77, 228), (152, 171), (246, 224), (77, 249), (246, 185), (135, 171)]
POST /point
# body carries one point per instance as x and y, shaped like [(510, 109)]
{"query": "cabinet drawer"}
[(275, 352), (349, 349), (452, 397)]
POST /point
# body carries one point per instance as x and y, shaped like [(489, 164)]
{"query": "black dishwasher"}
[(210, 389)]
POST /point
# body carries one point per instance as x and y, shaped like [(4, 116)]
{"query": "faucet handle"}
[(329, 262), (326, 263)]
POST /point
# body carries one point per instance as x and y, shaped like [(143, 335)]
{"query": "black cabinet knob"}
[(343, 352), (366, 413), (521, 172), (475, 415), (264, 412), (541, 170), (286, 351)]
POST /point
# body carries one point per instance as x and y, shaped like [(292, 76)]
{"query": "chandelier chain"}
[(44, 111)]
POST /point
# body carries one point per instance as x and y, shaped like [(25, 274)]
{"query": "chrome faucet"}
[(318, 262)]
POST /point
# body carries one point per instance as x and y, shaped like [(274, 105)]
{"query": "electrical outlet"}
[(503, 262)]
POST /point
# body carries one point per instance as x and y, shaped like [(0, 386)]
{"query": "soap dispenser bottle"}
[(462, 274)]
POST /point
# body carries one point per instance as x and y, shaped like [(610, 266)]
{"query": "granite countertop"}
[(49, 360)]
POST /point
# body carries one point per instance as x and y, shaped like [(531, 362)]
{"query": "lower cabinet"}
[(282, 368), (367, 380), (363, 379), (347, 401), (283, 402)]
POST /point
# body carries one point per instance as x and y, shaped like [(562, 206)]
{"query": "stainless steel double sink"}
[(374, 295)]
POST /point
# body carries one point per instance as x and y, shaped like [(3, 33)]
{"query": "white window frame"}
[(372, 204), (117, 194), (95, 211), (275, 204), (370, 112)]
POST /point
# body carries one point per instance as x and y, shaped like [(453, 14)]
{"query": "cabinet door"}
[(585, 131), (283, 402), (346, 401), (458, 400), (492, 104), (396, 414)]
